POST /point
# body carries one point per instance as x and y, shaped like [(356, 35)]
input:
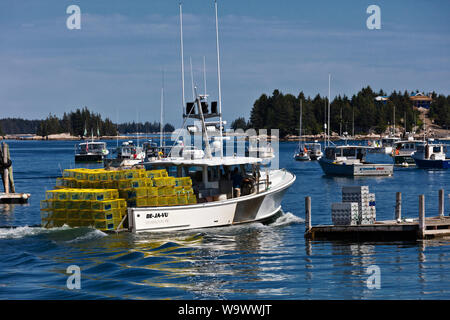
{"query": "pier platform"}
[(399, 229), (389, 230), (14, 197)]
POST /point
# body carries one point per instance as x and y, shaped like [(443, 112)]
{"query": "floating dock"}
[(383, 231), (14, 197), (389, 230)]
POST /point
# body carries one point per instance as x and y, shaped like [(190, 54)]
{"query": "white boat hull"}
[(245, 209)]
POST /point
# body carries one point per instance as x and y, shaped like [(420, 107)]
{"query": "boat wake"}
[(287, 218), (65, 233)]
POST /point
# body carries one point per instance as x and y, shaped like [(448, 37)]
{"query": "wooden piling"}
[(422, 225), (5, 169), (398, 206), (441, 202), (307, 214)]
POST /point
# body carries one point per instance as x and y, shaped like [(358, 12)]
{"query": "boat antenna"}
[(183, 101), (218, 80), (200, 111)]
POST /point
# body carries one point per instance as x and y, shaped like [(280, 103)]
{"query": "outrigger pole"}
[(183, 101), (218, 81)]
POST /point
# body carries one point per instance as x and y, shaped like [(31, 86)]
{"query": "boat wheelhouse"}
[(431, 156), (228, 191), (387, 144), (91, 151), (402, 152), (351, 161)]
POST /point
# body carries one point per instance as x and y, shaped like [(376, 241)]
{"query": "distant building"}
[(420, 100), (382, 99)]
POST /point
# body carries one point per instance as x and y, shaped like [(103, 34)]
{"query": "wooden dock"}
[(389, 230), (10, 195), (14, 197)]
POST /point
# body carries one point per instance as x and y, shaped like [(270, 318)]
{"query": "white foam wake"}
[(287, 218), (20, 232), (91, 235)]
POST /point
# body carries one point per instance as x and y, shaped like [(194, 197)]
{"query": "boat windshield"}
[(437, 149), (96, 146)]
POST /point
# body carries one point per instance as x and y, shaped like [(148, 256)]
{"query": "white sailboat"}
[(302, 153), (222, 200)]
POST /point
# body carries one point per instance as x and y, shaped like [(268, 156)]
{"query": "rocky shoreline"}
[(440, 134), (66, 136)]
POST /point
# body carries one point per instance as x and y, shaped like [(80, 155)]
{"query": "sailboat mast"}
[(204, 74), (353, 122), (192, 79), (329, 94), (161, 126), (218, 81), (183, 101), (300, 131), (394, 122)]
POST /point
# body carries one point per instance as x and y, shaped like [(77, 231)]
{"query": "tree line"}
[(360, 112), (81, 122)]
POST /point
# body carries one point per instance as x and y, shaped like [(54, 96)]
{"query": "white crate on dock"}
[(355, 190), (365, 201), (345, 213)]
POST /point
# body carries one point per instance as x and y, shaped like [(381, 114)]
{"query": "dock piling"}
[(398, 206), (441, 202), (307, 214), (422, 225), (5, 168)]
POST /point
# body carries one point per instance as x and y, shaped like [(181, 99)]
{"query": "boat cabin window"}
[(437, 149), (349, 152), (420, 149), (330, 153)]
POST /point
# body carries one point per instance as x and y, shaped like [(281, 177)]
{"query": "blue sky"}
[(114, 63)]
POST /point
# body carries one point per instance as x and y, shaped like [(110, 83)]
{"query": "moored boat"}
[(301, 154), (431, 156), (128, 154), (91, 151), (314, 150), (402, 152), (351, 161)]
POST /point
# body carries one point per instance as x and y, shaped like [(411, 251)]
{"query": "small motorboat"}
[(350, 161), (128, 155), (402, 152), (314, 150), (92, 151), (302, 155)]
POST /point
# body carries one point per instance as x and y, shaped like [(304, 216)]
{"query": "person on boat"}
[(236, 177), (359, 155)]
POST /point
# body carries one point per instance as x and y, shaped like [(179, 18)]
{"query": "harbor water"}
[(253, 261)]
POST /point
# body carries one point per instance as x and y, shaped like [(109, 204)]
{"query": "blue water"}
[(246, 262)]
